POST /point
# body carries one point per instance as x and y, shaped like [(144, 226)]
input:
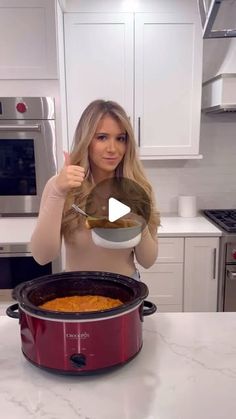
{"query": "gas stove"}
[(224, 218)]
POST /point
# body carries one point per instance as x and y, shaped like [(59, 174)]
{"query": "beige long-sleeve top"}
[(81, 252)]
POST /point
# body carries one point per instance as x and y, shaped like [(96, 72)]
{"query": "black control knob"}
[(78, 360)]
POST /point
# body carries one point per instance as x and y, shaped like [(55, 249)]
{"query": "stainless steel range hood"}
[(219, 94), (224, 11)]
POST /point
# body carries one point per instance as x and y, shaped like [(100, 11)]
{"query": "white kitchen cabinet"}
[(99, 61), (168, 77), (28, 39), (170, 250), (185, 275), (201, 273), (165, 284), (154, 72), (165, 278)]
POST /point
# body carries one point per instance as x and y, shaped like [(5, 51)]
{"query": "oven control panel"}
[(26, 108)]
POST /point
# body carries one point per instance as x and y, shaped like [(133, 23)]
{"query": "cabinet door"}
[(165, 284), (200, 274), (28, 39), (99, 61), (168, 74)]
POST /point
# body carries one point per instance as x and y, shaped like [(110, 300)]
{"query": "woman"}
[(103, 148)]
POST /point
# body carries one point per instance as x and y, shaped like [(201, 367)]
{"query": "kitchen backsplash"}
[(212, 179)]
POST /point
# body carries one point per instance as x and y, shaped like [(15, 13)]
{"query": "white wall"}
[(212, 179)]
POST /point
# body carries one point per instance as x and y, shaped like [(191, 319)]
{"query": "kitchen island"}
[(185, 370)]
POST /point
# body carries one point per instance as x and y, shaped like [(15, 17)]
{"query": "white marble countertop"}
[(19, 229), (172, 226), (185, 370)]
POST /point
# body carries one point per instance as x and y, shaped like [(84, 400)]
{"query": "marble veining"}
[(185, 370), (190, 353)]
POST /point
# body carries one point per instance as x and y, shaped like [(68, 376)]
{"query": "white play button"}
[(116, 209)]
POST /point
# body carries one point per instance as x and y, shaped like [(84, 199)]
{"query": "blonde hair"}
[(130, 166)]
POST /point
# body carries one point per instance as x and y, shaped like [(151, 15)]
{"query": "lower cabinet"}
[(165, 278), (201, 273), (184, 277), (165, 284)]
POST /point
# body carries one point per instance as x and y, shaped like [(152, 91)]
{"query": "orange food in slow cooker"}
[(80, 303)]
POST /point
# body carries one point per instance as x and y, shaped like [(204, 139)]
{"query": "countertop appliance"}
[(81, 342), (225, 219), (27, 153)]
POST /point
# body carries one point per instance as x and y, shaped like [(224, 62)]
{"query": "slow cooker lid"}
[(31, 294)]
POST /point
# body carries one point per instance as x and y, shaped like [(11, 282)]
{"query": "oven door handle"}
[(14, 249), (32, 127), (231, 275), (15, 255)]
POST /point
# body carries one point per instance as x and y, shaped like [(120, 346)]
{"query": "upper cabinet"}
[(99, 61), (168, 74), (148, 62), (28, 39)]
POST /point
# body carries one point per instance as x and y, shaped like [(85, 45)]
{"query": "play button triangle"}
[(116, 209)]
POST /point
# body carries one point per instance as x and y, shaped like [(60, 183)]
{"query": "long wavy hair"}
[(130, 167)]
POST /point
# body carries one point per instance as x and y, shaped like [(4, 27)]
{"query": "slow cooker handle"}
[(148, 308), (10, 311)]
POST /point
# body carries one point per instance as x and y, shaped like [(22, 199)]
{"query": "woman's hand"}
[(71, 176)]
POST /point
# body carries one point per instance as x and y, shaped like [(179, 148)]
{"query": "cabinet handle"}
[(214, 263), (139, 123)]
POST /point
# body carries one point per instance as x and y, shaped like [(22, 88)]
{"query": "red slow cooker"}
[(82, 342)]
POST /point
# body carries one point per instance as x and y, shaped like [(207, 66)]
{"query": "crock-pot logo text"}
[(82, 336)]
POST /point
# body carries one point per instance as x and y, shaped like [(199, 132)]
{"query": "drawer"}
[(170, 250)]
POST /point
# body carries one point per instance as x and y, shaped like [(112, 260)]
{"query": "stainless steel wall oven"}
[(27, 161), (27, 153), (17, 265)]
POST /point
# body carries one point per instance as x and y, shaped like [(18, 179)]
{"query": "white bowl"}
[(108, 244), (117, 238)]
